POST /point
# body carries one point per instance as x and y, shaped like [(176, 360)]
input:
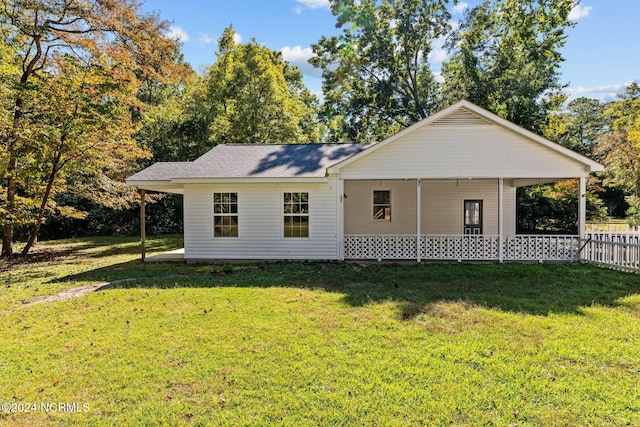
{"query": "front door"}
[(473, 217)]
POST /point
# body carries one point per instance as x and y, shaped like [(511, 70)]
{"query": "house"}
[(443, 188)]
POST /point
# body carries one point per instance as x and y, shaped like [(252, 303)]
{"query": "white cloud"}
[(579, 12), (603, 93), (597, 89), (460, 7), (237, 38), (315, 4), (297, 10), (438, 55), (296, 53), (205, 39), (299, 56), (177, 33)]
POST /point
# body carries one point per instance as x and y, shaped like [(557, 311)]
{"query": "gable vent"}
[(461, 118)]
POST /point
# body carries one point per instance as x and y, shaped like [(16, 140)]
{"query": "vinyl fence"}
[(612, 245)]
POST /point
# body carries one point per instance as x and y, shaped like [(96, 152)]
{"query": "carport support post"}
[(143, 237), (418, 203)]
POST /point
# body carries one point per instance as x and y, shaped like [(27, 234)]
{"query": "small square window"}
[(381, 205)]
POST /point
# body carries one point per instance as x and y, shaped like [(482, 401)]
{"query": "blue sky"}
[(602, 53)]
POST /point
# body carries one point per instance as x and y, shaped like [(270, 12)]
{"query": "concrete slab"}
[(172, 256)]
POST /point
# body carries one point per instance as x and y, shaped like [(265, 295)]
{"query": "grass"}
[(317, 343)]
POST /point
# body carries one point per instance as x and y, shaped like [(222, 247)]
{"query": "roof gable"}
[(465, 114)]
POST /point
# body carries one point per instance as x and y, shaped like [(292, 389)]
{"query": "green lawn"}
[(307, 344)]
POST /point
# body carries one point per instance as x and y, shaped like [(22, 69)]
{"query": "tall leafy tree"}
[(175, 126), (506, 58), (254, 96), (579, 126), (376, 75), (619, 148), (80, 65)]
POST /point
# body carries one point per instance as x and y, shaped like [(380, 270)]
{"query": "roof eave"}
[(161, 186), (244, 179)]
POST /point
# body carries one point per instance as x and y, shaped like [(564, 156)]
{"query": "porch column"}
[(143, 237), (418, 203), (340, 224), (582, 206), (500, 219)]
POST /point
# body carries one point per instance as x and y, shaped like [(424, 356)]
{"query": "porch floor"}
[(172, 256)]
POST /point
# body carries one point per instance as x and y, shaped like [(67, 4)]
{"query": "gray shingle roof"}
[(161, 171), (255, 160)]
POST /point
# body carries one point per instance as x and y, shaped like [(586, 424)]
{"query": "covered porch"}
[(461, 219)]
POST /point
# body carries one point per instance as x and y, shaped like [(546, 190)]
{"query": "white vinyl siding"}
[(260, 209), (442, 206), (473, 149), (358, 207)]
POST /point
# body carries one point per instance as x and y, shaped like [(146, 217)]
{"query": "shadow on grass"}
[(538, 289)]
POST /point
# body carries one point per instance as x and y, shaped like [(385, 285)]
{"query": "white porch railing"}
[(461, 247), (536, 247)]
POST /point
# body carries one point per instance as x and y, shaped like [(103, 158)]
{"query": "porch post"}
[(340, 224), (582, 206), (500, 219), (418, 203), (143, 237)]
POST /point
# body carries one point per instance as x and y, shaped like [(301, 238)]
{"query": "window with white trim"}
[(296, 215), (225, 214), (381, 205)]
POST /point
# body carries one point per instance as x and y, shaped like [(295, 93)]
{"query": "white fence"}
[(612, 228), (613, 245), (461, 247), (615, 248)]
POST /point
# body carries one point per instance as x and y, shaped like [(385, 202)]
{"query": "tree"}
[(175, 126), (506, 56), (376, 75), (254, 96), (619, 148), (579, 126), (80, 67), (553, 208)]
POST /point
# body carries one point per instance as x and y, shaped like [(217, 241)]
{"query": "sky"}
[(602, 52)]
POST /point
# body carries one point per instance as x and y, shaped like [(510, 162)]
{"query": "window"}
[(296, 215), (225, 214), (381, 205), (473, 217)]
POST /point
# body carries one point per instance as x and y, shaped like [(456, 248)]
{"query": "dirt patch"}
[(71, 293)]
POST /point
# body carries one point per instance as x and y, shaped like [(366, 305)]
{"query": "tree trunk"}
[(7, 230), (12, 167), (43, 204)]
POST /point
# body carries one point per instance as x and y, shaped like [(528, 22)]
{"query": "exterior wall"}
[(358, 207), (463, 148), (442, 205), (260, 221)]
